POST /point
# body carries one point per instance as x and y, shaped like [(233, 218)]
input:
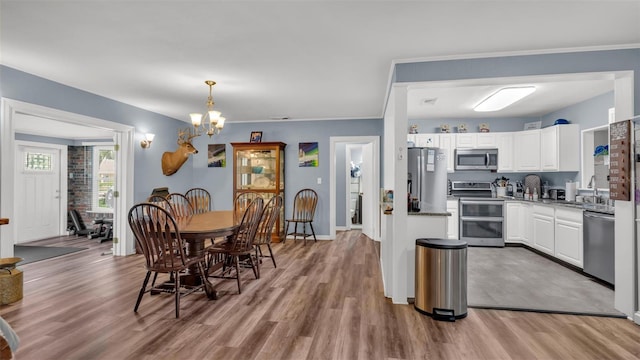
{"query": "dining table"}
[(196, 230)]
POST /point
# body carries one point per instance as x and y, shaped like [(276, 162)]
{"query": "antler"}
[(185, 136)]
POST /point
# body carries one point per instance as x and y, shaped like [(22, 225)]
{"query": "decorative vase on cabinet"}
[(259, 167)]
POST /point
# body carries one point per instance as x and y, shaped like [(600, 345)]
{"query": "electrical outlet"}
[(319, 181)]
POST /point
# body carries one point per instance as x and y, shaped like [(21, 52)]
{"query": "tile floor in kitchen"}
[(515, 277)]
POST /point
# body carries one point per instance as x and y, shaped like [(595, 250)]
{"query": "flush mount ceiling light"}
[(211, 122), (503, 98)]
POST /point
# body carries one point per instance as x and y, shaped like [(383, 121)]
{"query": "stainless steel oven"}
[(481, 220)]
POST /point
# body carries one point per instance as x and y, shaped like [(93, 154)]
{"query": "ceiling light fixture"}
[(503, 98), (210, 123)]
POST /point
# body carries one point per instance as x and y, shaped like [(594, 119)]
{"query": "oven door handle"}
[(482, 202), (486, 159), (481, 218)]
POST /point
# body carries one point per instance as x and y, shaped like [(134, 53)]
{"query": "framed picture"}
[(217, 155), (532, 125), (256, 137), (308, 154)]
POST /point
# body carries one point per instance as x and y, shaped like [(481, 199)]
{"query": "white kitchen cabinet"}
[(560, 146), (486, 140), (514, 219), (527, 150), (518, 222), (543, 229), (447, 142), (466, 140), (427, 140), (452, 221), (568, 236), (505, 152), (526, 210), (411, 138)]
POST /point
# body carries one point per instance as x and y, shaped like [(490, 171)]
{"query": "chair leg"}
[(273, 258), (286, 229), (304, 231), (237, 260), (177, 276), (256, 247), (313, 232), (256, 269), (144, 286), (295, 232)]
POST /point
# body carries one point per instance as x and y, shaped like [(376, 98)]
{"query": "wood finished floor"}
[(324, 301)]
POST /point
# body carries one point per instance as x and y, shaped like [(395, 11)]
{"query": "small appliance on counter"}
[(557, 194), (519, 190), (532, 182)]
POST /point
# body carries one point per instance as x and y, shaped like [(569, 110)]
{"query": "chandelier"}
[(210, 123)]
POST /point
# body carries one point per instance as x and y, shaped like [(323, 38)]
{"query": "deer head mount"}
[(172, 161)]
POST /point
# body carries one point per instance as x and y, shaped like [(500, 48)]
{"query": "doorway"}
[(123, 189), (369, 186), (39, 201)]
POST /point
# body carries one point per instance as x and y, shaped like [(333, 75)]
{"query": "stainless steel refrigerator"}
[(427, 179)]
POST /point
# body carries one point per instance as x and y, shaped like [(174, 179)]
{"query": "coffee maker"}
[(518, 192)]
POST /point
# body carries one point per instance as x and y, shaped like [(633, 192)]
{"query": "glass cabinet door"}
[(259, 167), (256, 169)]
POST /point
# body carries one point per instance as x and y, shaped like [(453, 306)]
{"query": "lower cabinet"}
[(543, 229), (568, 236), (554, 230), (452, 221), (517, 222)]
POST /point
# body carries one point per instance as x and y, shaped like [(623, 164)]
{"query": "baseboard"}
[(319, 237)]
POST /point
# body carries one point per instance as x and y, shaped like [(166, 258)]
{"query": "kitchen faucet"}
[(592, 183)]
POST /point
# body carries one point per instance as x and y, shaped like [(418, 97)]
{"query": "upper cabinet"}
[(505, 152), (560, 145), (555, 148), (527, 150)]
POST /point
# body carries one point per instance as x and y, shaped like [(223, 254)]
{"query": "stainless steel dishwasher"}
[(598, 236)]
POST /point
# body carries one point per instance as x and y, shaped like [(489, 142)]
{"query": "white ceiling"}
[(295, 59)]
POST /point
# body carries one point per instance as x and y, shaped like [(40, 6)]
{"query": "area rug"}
[(32, 254)]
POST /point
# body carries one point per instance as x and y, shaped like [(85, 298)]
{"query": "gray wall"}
[(525, 65), (21, 86), (18, 85), (219, 180)]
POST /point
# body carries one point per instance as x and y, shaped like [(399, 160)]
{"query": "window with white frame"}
[(104, 178)]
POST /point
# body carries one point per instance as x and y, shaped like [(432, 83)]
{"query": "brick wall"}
[(80, 160)]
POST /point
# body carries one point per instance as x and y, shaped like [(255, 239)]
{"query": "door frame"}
[(123, 136), (374, 141), (63, 173)]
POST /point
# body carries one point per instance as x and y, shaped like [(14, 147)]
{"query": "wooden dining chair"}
[(240, 247), (181, 205), (200, 200), (242, 201), (157, 234), (270, 214), (304, 208)]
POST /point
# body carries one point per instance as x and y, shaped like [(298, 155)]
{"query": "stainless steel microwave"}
[(476, 159)]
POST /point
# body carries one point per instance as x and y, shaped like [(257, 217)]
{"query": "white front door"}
[(37, 195)]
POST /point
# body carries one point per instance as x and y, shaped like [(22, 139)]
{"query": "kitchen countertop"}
[(600, 208), (433, 213)]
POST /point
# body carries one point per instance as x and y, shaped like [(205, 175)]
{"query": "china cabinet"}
[(259, 167)]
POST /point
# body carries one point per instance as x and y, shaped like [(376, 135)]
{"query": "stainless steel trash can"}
[(441, 278)]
